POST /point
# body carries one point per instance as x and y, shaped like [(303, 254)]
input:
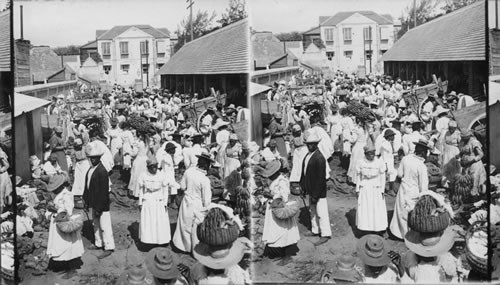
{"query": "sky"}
[(280, 16), (74, 22)]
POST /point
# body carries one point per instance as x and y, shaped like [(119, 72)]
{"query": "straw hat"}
[(422, 142), (271, 168), (58, 129), (369, 148), (430, 244), (170, 146), (233, 137), (296, 128), (161, 262), (205, 156), (220, 259), (372, 249), (34, 160), (55, 181), (151, 161), (219, 123), (452, 124), (311, 138), (388, 133), (440, 110)]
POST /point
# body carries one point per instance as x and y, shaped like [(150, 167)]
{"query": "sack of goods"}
[(217, 229), (428, 216), (282, 210), (476, 246), (68, 224)]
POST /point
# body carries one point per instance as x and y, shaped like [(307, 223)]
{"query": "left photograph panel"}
[(131, 126), (7, 216)]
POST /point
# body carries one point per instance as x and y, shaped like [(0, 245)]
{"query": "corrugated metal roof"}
[(222, 51), (5, 41), (44, 62), (458, 36), (118, 30), (25, 104), (341, 16), (266, 49)]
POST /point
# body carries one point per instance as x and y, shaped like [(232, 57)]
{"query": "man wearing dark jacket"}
[(96, 197), (313, 182)]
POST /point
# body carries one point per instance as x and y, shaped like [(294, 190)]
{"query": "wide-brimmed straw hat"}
[(345, 269), (93, 150), (220, 123), (422, 142), (372, 249), (151, 161), (170, 146), (220, 259), (271, 168), (161, 262), (389, 133), (55, 181), (430, 244), (205, 156)]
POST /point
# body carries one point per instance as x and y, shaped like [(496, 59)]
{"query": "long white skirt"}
[(279, 233), (405, 202), (155, 224), (139, 166), (371, 214), (183, 236), (62, 246), (81, 168)]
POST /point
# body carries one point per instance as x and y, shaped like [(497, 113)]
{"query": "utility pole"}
[(415, 13), (190, 7), (370, 48), (496, 14)]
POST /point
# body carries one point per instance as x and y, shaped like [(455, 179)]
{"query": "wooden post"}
[(470, 66)]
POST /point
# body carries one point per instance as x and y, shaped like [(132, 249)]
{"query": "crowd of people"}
[(170, 166), (388, 146)]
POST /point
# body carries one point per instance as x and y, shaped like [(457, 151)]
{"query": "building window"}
[(125, 68), (107, 68), (161, 48), (347, 32), (369, 54), (124, 49), (367, 34), (329, 36), (159, 66), (382, 51), (106, 49), (330, 54), (144, 48), (145, 68), (348, 54)]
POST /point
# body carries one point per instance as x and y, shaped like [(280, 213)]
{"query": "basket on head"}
[(217, 230), (428, 216)]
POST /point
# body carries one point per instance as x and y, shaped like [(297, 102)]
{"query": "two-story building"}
[(355, 40), (132, 55)]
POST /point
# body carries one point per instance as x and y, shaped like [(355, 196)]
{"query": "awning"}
[(25, 104), (256, 89)]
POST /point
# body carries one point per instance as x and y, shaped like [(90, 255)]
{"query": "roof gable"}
[(118, 30), (341, 16), (133, 32), (266, 49), (223, 51), (457, 36), (357, 18), (44, 63)]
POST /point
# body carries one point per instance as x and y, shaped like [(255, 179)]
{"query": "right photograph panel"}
[(369, 140)]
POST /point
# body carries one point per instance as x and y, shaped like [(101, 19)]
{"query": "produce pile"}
[(304, 100), (140, 124), (360, 111), (7, 246), (34, 252)]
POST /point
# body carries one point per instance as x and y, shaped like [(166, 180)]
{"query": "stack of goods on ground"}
[(7, 247)]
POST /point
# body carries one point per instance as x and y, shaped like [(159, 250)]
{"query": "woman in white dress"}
[(127, 141), (358, 140), (153, 199), (65, 249), (371, 214), (233, 152), (279, 235), (5, 182), (115, 142), (138, 166), (82, 166)]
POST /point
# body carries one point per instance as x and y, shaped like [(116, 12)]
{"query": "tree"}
[(234, 13), (202, 25), (425, 11), (67, 50), (291, 36), (452, 5)]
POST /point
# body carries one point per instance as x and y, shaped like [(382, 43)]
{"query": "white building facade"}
[(351, 38), (131, 55)]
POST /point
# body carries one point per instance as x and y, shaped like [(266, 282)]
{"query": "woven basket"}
[(479, 264), (74, 224), (286, 212), (432, 223)]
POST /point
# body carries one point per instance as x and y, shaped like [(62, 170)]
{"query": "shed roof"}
[(25, 104), (341, 16), (457, 36), (257, 88), (266, 49), (223, 51), (118, 30), (5, 39)]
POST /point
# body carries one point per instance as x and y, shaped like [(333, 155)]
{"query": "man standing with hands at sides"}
[(313, 182), (96, 197)]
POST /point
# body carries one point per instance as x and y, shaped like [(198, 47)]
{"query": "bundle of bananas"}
[(462, 186)]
